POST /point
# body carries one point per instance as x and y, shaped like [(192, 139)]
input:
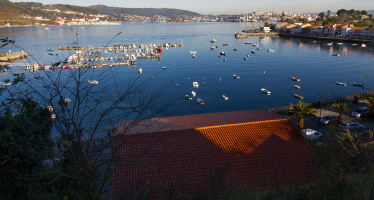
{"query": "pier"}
[(245, 35), (119, 47), (14, 56)]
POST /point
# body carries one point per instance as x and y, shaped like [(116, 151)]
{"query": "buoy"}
[(204, 82), (264, 72), (152, 76), (203, 78), (5, 78), (188, 78), (219, 79), (211, 83), (177, 84)]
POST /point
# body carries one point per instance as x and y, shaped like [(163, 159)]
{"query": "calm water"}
[(310, 61)]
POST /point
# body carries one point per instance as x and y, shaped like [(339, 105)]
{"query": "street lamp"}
[(320, 109)]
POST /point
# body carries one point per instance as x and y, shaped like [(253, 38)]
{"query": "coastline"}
[(328, 38)]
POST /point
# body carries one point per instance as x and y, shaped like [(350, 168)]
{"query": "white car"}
[(327, 119), (360, 112), (311, 134)]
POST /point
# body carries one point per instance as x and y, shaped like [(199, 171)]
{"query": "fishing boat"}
[(212, 48), (225, 44), (359, 85), (340, 83), (337, 55), (49, 49), (258, 48), (193, 56), (295, 79), (1, 83), (225, 97), (94, 82), (265, 91), (188, 97), (253, 51), (200, 101), (222, 53), (235, 49), (164, 68), (192, 52), (236, 77), (213, 41), (298, 96), (248, 42), (195, 84), (193, 93), (271, 50), (297, 87)]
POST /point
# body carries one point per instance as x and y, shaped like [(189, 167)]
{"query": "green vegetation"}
[(341, 108), (302, 110), (370, 99), (356, 17)]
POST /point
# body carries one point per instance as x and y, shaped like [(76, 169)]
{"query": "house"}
[(370, 33), (329, 30), (194, 154), (358, 32), (266, 29), (316, 30)]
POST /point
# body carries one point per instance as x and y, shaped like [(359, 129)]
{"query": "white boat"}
[(225, 97), (248, 42), (265, 91), (213, 41), (164, 68), (298, 96), (94, 82), (223, 53), (46, 28), (193, 56), (270, 50), (258, 48), (1, 83), (193, 93), (195, 84), (140, 71), (363, 45), (339, 43), (236, 77), (192, 52), (297, 87), (329, 44), (336, 55), (212, 48), (354, 44)]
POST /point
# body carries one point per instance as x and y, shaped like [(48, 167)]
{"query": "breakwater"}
[(13, 56), (245, 35), (326, 101)]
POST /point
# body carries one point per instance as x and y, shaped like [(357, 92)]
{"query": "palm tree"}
[(341, 107), (302, 110), (370, 99)]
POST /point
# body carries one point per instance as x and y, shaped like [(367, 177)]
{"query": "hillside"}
[(148, 12)]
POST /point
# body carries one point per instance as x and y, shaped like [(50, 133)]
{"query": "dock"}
[(245, 35), (117, 47), (13, 56)]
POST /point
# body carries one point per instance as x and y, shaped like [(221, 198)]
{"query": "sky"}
[(217, 7)]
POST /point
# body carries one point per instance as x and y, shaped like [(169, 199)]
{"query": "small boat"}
[(245, 58), (236, 77), (213, 41), (195, 84), (235, 49), (224, 59), (298, 96), (133, 62), (248, 42), (297, 87), (314, 41), (223, 53), (254, 45), (253, 51), (329, 44), (340, 83), (225, 97), (265, 91), (212, 48), (225, 44), (354, 44), (193, 56), (258, 48), (247, 55), (50, 108), (192, 52), (200, 101), (363, 45), (295, 79), (188, 97), (336, 55), (357, 84), (95, 82), (46, 28), (339, 43), (28, 67), (193, 93), (1, 83), (49, 49), (67, 101), (140, 71), (271, 50), (164, 68)]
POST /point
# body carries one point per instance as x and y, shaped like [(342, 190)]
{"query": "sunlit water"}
[(310, 61)]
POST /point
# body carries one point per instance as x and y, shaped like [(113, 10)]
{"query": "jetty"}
[(245, 35), (13, 56)]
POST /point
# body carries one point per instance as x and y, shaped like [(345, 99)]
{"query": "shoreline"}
[(327, 38)]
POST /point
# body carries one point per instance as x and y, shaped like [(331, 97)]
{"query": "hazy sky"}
[(229, 6)]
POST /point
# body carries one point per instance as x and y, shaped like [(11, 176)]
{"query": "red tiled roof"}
[(260, 150)]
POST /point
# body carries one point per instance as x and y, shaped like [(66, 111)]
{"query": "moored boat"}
[(94, 82), (297, 87), (222, 53), (192, 52), (200, 101), (298, 96), (225, 97), (224, 44), (236, 77), (1, 83), (213, 41), (248, 42), (270, 50), (212, 48), (235, 49), (340, 83), (295, 79), (265, 91), (188, 97), (195, 84), (253, 51), (359, 85), (363, 45)]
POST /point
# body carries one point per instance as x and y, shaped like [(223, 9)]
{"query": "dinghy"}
[(248, 42), (192, 52), (188, 97), (193, 93), (200, 101), (223, 53), (253, 51), (297, 87), (298, 96), (195, 84), (1, 83), (225, 97), (271, 50), (295, 79), (95, 82), (359, 85), (340, 83)]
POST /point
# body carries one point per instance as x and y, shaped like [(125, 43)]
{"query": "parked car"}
[(360, 112), (352, 126), (311, 134), (327, 119)]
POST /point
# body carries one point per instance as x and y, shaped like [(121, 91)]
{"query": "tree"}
[(341, 11), (370, 99), (328, 14), (321, 16), (325, 22), (81, 166), (305, 20), (363, 12), (371, 16), (25, 133), (341, 107), (302, 110), (288, 20)]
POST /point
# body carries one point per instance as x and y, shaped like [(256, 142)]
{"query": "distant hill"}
[(333, 13), (148, 12)]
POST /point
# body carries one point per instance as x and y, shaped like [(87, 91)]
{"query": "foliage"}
[(321, 16), (304, 20), (25, 133), (341, 107), (302, 110), (370, 99)]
